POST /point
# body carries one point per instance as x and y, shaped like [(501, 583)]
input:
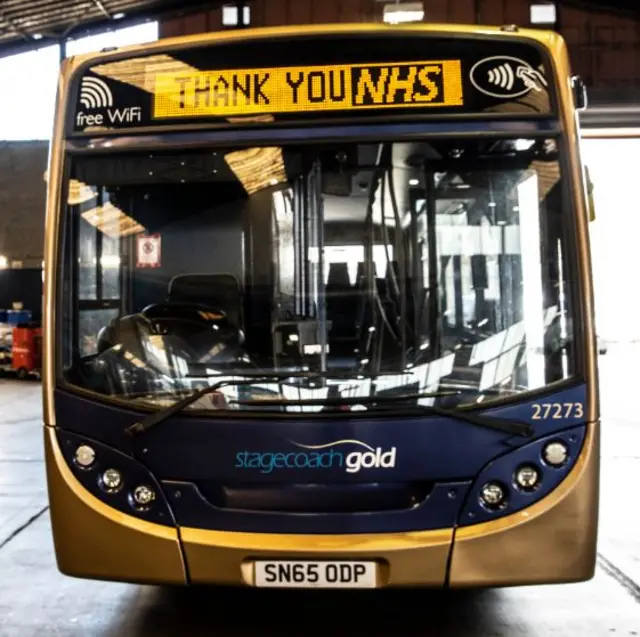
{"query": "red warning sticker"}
[(149, 251)]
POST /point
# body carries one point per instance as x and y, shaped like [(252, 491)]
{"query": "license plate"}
[(303, 574)]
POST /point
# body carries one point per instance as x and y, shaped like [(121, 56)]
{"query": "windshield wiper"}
[(163, 414), (515, 428), (248, 378), (487, 422)]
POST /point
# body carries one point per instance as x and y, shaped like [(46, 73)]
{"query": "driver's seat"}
[(217, 291)]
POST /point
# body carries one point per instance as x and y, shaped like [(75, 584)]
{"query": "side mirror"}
[(590, 200), (579, 92)]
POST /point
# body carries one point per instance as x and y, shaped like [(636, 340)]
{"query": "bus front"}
[(318, 312)]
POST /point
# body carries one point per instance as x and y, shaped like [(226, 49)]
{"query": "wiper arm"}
[(487, 422), (164, 414), (497, 424), (249, 378), (513, 427)]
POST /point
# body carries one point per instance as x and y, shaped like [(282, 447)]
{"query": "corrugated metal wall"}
[(605, 47)]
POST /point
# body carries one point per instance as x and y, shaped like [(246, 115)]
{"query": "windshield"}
[(362, 269)]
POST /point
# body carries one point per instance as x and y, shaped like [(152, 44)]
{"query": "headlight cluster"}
[(111, 480), (527, 477), (115, 478), (520, 478)]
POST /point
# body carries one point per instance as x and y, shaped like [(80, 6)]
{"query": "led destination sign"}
[(334, 78), (308, 89)]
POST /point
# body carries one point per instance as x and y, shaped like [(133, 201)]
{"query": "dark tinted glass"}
[(409, 266)]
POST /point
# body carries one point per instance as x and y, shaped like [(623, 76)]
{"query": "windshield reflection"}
[(359, 270)]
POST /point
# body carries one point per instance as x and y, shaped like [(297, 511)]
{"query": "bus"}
[(319, 311)]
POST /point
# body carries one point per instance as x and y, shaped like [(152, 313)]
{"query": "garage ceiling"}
[(626, 6), (29, 24)]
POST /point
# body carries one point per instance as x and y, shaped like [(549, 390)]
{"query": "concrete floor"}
[(36, 600)]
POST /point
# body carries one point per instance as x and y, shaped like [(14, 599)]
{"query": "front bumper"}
[(553, 540)]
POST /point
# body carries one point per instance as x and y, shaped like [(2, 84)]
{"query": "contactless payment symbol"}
[(506, 77)]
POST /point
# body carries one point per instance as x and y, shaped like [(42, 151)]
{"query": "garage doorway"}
[(615, 237)]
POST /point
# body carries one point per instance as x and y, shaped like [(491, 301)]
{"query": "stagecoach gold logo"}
[(308, 88), (348, 454)]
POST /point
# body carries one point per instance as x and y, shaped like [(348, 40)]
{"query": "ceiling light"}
[(403, 12), (257, 168), (79, 192), (112, 221), (543, 13)]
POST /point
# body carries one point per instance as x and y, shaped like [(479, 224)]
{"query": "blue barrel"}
[(15, 317), (3, 316)]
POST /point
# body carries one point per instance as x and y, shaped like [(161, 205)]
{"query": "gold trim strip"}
[(52, 226), (316, 545), (570, 122)]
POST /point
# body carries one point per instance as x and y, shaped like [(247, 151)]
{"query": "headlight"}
[(555, 453), (493, 495), (84, 456), (111, 479), (143, 495), (527, 477)]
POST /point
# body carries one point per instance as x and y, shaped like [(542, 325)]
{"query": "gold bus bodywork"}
[(553, 540)]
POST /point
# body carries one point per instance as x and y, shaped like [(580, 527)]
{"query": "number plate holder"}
[(315, 574)]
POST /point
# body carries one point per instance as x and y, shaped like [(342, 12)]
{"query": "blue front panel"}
[(439, 510), (227, 471)]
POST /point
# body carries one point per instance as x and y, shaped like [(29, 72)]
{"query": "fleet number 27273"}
[(557, 411)]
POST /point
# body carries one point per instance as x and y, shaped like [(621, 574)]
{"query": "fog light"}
[(84, 456), (143, 496), (493, 495), (555, 454), (527, 477), (112, 479)]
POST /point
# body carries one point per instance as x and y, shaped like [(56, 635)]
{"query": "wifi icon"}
[(502, 76), (94, 93)]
